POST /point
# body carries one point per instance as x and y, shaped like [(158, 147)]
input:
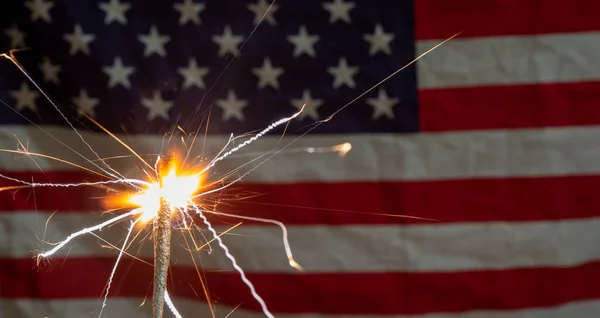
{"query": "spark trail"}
[(10, 56), (112, 273), (237, 267)]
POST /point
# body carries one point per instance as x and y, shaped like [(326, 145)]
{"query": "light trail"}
[(252, 139), (10, 57), (286, 243), (246, 281), (71, 185), (114, 270), (171, 306), (88, 230)]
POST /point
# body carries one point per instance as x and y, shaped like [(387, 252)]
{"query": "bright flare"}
[(176, 189)]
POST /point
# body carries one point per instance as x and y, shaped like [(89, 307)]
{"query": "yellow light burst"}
[(177, 187)]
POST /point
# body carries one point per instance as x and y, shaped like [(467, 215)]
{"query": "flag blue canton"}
[(156, 94)]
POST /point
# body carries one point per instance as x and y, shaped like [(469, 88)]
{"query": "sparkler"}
[(173, 192), (162, 243), (157, 201)]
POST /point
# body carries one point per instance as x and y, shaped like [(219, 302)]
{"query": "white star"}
[(115, 11), (267, 75), (303, 42), (189, 11), (118, 74), (85, 103), (339, 10), (232, 107), (79, 41), (17, 37), (382, 105), (157, 106), (311, 107), (260, 8), (379, 41), (154, 42), (193, 75), (40, 9), (343, 74), (25, 97), (228, 43), (50, 71)]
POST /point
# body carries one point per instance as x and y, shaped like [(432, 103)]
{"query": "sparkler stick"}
[(162, 245)]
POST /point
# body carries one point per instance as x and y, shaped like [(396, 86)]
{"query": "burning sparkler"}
[(172, 194), (175, 192), (158, 201)]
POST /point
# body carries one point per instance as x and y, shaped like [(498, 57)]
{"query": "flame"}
[(177, 190)]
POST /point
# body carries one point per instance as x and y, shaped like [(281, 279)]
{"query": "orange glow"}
[(177, 190)]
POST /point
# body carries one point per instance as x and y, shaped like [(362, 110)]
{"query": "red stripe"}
[(500, 107), (436, 19), (476, 200), (382, 293)]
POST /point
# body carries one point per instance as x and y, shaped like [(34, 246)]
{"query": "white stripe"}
[(475, 246), (131, 308), (534, 152), (510, 60)]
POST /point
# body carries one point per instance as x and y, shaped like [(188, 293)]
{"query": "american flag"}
[(494, 135)]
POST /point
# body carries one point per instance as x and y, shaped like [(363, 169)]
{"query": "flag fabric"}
[(491, 140)]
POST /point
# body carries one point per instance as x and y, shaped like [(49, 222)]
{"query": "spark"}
[(114, 270), (88, 230), (253, 139), (71, 185), (341, 149), (171, 306), (10, 56), (33, 154), (248, 283), (286, 243)]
